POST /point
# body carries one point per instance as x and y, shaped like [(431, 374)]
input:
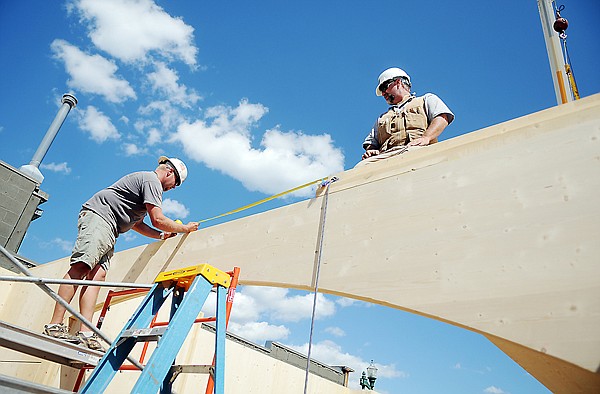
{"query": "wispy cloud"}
[(494, 390), (223, 141), (259, 332), (97, 124), (255, 303), (129, 236), (134, 149), (335, 331), (165, 81), (57, 167), (92, 74), (170, 115), (332, 354), (483, 371), (133, 30), (345, 302), (174, 209), (63, 245)]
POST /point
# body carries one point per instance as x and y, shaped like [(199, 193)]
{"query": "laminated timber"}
[(496, 231)]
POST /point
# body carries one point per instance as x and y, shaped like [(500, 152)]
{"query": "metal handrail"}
[(52, 281), (62, 302)]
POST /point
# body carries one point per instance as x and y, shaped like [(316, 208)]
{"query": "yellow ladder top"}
[(185, 276)]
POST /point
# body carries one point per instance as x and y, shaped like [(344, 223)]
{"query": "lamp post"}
[(367, 380)]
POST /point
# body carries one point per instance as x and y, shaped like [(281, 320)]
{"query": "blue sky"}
[(259, 97)]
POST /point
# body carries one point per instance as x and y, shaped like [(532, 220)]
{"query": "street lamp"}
[(367, 380)]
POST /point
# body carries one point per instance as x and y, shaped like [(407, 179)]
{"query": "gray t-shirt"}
[(434, 106), (123, 204)]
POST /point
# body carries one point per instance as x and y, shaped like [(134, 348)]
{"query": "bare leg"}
[(89, 295), (67, 291)]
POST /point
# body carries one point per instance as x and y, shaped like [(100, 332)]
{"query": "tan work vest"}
[(398, 128)]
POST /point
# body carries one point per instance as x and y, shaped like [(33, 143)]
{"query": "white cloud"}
[(129, 236), (247, 318), (131, 30), (256, 303), (175, 209), (345, 302), (494, 390), (165, 81), (92, 73), (280, 306), (65, 246), (170, 116), (483, 371), (154, 137), (245, 308), (223, 141), (331, 353), (335, 331), (259, 332), (97, 124), (134, 149), (57, 167)]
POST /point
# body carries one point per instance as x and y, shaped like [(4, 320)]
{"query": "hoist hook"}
[(560, 24)]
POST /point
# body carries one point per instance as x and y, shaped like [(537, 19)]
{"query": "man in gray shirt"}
[(110, 212), (410, 120)]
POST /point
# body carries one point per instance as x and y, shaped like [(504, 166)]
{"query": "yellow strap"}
[(263, 200)]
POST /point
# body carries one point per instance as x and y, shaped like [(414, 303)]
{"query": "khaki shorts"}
[(95, 242)]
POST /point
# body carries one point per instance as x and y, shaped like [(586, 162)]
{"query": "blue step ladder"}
[(196, 283)]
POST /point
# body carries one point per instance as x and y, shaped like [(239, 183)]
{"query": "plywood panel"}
[(496, 231)]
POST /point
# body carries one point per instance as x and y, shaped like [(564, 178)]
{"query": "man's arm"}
[(370, 144), (437, 125), (146, 230), (161, 222)]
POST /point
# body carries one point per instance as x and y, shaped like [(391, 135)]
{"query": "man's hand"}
[(437, 125), (191, 226), (370, 152), (164, 235), (421, 141)]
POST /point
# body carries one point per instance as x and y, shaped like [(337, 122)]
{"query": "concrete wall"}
[(20, 197)]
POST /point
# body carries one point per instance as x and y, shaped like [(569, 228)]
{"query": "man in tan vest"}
[(410, 120)]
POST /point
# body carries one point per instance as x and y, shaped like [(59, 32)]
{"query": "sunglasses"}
[(385, 85), (177, 179)]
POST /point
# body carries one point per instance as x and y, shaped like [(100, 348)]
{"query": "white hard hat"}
[(179, 166), (388, 74)]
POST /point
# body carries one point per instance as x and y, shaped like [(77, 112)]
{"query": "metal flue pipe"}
[(32, 169)]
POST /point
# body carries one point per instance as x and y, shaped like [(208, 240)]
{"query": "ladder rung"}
[(145, 334), (177, 369)]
